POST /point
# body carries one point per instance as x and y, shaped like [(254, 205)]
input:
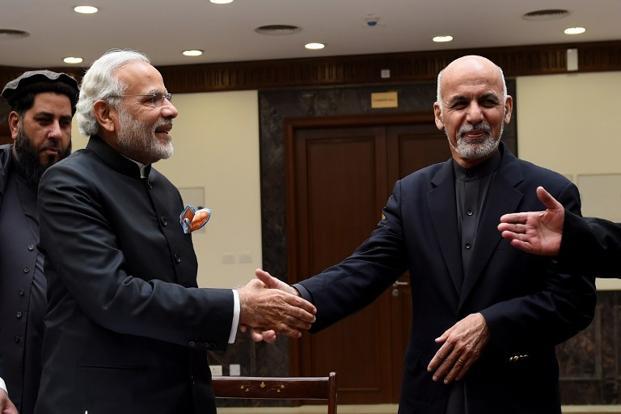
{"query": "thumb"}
[(269, 281), (547, 199)]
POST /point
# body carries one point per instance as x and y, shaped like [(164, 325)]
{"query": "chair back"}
[(278, 388)]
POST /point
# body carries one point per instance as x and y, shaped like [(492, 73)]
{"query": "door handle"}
[(396, 285)]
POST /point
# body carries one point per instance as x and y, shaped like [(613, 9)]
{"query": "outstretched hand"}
[(536, 232), (461, 346), (269, 310)]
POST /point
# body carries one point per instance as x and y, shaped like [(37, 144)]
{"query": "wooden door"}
[(339, 177)]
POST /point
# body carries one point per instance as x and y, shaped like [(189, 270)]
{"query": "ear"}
[(13, 124), (508, 108), (437, 112), (105, 115)]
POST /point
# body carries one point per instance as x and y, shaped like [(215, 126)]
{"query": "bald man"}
[(485, 316)]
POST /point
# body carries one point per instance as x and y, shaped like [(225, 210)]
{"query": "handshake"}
[(269, 306)]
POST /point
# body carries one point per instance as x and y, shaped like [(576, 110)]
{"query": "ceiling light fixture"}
[(192, 52), (442, 38), (73, 60), (314, 46), (221, 1), (574, 30), (85, 9)]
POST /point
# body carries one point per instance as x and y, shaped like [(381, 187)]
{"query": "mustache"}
[(50, 144), (483, 126), (163, 124)]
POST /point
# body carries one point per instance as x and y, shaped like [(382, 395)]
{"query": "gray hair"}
[(101, 83), (439, 88)]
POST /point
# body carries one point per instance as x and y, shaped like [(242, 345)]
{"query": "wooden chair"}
[(278, 388)]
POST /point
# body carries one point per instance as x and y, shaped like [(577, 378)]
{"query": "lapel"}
[(5, 163), (444, 217), (503, 197)]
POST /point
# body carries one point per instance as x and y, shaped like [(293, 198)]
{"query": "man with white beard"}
[(485, 316), (127, 328)]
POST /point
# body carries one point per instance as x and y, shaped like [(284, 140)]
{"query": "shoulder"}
[(536, 175)]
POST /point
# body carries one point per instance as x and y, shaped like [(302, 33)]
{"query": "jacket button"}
[(19, 315), (30, 247), (18, 339), (164, 221), (192, 344), (21, 292), (26, 269), (468, 246), (177, 258)]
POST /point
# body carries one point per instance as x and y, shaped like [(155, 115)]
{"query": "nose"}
[(168, 110), (474, 114), (55, 131)]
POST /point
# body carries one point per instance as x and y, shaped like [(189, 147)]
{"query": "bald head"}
[(473, 65)]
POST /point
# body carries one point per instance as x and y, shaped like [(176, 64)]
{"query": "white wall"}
[(570, 124)]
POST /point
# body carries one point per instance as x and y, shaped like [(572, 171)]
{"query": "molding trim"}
[(407, 67)]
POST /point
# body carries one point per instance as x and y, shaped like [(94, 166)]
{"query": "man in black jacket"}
[(42, 104), (127, 328), (581, 243)]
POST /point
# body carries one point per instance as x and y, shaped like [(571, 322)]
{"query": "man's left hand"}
[(461, 347)]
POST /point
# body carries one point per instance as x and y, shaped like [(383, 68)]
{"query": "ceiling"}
[(162, 29)]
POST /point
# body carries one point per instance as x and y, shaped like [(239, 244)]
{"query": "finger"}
[(290, 332), (445, 367), (266, 278), (547, 199), (514, 218), (439, 357), (300, 307), (522, 245), (464, 370), (455, 370)]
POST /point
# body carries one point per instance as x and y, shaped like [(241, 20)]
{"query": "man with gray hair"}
[(485, 317), (128, 329)]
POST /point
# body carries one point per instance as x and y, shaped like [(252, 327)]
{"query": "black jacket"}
[(528, 305), (127, 327)]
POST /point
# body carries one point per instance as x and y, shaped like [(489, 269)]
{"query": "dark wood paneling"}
[(405, 67)]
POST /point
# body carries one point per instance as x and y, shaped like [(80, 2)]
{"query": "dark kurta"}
[(22, 285), (127, 328)]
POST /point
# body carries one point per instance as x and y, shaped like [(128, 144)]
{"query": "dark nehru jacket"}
[(22, 284), (127, 330)]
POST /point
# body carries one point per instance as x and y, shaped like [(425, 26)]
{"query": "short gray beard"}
[(476, 151), (137, 140)]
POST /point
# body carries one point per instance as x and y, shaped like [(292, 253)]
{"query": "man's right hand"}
[(6, 406), (272, 307)]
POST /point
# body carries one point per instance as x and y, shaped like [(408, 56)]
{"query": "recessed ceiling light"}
[(221, 1), (574, 30), (85, 9), (73, 60), (192, 52), (314, 46), (442, 38)]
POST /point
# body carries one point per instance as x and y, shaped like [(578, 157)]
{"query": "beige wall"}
[(570, 124)]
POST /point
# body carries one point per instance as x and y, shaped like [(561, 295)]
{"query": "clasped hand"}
[(273, 307)]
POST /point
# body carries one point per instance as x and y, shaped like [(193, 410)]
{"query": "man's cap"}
[(35, 81)]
